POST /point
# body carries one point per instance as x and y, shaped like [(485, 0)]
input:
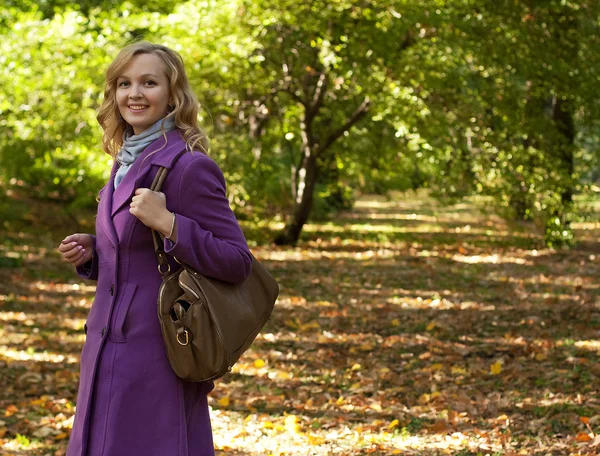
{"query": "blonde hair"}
[(183, 100)]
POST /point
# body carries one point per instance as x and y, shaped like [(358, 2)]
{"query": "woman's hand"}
[(151, 209), (76, 249)]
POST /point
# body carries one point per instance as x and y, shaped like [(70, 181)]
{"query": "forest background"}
[(420, 177), (311, 103)]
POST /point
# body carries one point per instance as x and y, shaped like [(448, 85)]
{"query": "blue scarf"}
[(134, 145)]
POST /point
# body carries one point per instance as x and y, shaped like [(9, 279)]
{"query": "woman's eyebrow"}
[(145, 75)]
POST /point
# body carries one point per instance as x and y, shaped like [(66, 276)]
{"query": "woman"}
[(130, 402)]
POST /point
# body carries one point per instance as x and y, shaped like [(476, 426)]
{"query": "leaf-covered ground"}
[(403, 327)]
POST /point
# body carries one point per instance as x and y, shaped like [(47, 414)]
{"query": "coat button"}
[(112, 289), (103, 331), (85, 328)]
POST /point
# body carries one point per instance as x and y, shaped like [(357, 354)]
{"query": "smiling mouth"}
[(137, 107)]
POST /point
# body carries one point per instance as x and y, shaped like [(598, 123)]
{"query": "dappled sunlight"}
[(65, 287), (383, 216), (420, 303), (42, 319), (316, 254), (374, 203), (567, 280), (490, 258), (591, 345), (29, 355), (235, 430), (586, 226), (433, 228)]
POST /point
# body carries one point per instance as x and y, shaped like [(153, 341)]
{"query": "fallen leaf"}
[(496, 368), (583, 437)]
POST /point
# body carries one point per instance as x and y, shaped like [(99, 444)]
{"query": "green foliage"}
[(467, 97)]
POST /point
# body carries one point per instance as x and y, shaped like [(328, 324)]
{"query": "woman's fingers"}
[(62, 248), (79, 260), (76, 248), (74, 254)]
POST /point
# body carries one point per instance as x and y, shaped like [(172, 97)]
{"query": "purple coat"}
[(130, 403)]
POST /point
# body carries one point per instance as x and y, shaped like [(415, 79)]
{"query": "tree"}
[(320, 66)]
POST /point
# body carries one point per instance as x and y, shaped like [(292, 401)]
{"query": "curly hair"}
[(184, 102)]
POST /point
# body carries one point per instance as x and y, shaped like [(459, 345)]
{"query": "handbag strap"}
[(161, 257)]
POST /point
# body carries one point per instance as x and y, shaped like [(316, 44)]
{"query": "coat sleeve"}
[(209, 238), (89, 270)]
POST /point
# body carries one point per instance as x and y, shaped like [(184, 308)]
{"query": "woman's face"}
[(143, 92)]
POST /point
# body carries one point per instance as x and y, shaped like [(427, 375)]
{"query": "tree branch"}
[(358, 114), (319, 93)]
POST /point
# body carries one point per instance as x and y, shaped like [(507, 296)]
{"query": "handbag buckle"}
[(165, 272), (187, 336)]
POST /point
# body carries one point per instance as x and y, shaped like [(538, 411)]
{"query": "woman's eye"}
[(123, 84), (150, 83)]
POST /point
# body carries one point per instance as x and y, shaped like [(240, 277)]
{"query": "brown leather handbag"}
[(208, 324)]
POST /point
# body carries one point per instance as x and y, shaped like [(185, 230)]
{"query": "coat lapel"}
[(104, 208), (135, 176)]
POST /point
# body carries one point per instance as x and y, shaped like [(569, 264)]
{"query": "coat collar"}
[(159, 153)]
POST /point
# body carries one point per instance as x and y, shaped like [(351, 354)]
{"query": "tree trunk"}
[(305, 186), (307, 173), (563, 120)]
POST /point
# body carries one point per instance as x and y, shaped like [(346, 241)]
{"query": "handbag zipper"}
[(189, 290)]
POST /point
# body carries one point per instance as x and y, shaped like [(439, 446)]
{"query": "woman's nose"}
[(135, 91)]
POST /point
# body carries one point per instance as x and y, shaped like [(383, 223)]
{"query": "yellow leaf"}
[(268, 425), (393, 424), (309, 403), (310, 325), (496, 368), (340, 400), (323, 339), (366, 347), (61, 436), (291, 324), (3, 431), (424, 398), (384, 370), (430, 326), (356, 367), (459, 371), (435, 394), (259, 363), (540, 356), (395, 322), (224, 401), (315, 439), (437, 367), (376, 407)]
